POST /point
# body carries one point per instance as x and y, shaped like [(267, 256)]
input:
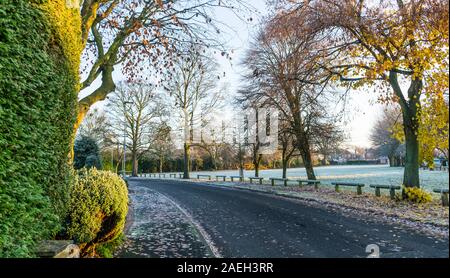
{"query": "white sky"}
[(362, 109)]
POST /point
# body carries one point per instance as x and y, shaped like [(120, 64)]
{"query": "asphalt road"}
[(249, 224)]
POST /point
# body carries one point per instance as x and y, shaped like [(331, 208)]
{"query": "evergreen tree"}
[(87, 153)]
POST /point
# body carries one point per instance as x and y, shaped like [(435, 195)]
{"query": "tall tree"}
[(213, 141), (135, 111), (252, 139), (161, 144), (400, 46), (282, 72), (192, 89)]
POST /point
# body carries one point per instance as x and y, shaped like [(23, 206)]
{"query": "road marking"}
[(197, 226)]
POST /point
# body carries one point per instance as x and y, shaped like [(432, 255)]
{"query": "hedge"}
[(38, 95)]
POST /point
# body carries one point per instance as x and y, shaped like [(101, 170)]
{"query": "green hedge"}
[(98, 208), (38, 97)]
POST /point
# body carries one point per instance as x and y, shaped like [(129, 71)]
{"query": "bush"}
[(416, 195), (98, 208), (38, 98), (86, 153)]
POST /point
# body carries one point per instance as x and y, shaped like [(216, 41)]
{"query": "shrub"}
[(416, 195), (98, 208), (38, 98), (86, 153)]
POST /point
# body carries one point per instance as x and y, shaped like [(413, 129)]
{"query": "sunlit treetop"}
[(369, 39)]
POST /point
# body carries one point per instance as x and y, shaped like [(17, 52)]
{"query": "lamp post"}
[(125, 137), (112, 159)]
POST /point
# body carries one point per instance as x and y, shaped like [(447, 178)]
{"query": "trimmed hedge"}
[(98, 209), (38, 100)]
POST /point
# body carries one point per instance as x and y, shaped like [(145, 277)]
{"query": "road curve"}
[(249, 224)]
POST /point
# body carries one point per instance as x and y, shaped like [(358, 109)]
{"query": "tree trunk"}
[(411, 173), (410, 112), (284, 162), (411, 130), (308, 165), (241, 162), (307, 160), (303, 147), (135, 163), (256, 169), (391, 161), (256, 155), (186, 161), (214, 163), (119, 159), (256, 162), (213, 156), (160, 164)]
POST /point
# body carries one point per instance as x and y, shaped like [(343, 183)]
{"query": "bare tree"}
[(214, 143), (161, 144), (382, 135), (327, 139), (193, 90), (135, 111), (282, 73)]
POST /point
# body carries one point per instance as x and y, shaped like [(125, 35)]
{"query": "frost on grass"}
[(160, 230), (377, 174)]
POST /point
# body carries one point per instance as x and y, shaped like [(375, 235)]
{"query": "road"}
[(241, 223)]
